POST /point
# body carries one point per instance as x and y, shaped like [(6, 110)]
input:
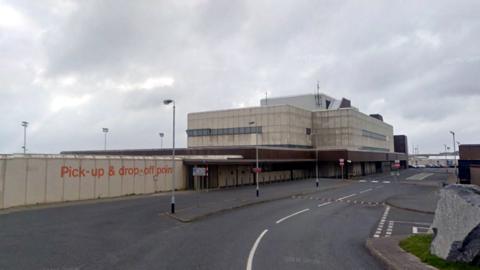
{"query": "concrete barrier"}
[(38, 179), (456, 224)]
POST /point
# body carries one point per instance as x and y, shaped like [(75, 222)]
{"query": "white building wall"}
[(281, 125), (36, 179), (343, 128), (285, 125)]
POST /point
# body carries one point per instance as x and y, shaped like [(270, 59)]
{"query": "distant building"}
[(293, 136), (304, 121), (469, 163)]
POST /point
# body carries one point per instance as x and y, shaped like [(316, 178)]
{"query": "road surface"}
[(322, 230)]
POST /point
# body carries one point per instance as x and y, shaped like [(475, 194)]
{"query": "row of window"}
[(374, 135), (374, 149), (223, 131)]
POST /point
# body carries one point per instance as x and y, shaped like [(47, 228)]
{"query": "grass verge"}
[(419, 245)]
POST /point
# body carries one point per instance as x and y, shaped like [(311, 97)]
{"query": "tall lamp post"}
[(167, 102), (316, 167), (446, 149), (105, 131), (316, 163), (454, 155), (24, 125), (256, 155), (161, 134)]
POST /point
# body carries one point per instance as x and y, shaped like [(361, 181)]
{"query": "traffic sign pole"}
[(342, 163)]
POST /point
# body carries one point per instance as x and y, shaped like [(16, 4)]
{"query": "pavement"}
[(209, 202), (392, 256), (292, 226)]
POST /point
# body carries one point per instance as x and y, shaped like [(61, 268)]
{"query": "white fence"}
[(37, 179)]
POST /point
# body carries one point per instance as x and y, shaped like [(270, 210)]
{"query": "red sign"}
[(257, 170), (342, 161)]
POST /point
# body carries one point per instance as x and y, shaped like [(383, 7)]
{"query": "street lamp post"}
[(105, 131), (167, 102), (454, 155), (256, 156), (24, 125), (161, 134), (316, 163), (446, 163), (316, 167)]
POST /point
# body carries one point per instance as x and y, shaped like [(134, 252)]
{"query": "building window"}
[(308, 131), (223, 131), (373, 135)]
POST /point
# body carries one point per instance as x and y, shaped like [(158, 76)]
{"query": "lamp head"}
[(24, 124), (161, 134), (105, 130), (167, 101)]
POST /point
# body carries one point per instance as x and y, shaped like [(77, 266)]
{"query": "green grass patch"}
[(419, 245)]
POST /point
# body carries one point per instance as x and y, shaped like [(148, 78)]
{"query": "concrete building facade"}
[(330, 125), (293, 135)]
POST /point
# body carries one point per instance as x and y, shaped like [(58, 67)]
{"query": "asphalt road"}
[(323, 230)]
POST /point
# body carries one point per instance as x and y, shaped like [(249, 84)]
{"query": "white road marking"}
[(252, 251), (382, 222), (419, 176), (389, 231), (323, 204), (374, 181), (362, 181), (386, 182), (294, 214), (339, 199), (416, 230), (413, 222), (366, 190)]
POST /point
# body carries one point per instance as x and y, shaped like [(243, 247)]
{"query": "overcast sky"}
[(73, 67)]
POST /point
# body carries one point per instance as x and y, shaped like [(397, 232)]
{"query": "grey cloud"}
[(417, 56)]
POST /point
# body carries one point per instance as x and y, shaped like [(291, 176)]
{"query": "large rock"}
[(457, 224)]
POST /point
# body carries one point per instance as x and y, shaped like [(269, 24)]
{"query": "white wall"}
[(343, 129), (37, 179), (281, 125)]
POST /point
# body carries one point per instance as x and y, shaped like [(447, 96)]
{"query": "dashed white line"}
[(378, 232), (366, 190), (362, 181), (389, 231), (323, 204), (374, 181), (294, 214), (348, 196), (254, 248), (386, 182)]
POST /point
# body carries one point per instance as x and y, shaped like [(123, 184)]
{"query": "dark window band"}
[(222, 131)]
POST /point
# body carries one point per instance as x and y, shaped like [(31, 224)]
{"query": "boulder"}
[(456, 225)]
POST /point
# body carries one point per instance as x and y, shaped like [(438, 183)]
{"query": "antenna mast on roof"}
[(266, 92), (317, 94)]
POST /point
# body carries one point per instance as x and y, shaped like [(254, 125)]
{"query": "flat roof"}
[(270, 154)]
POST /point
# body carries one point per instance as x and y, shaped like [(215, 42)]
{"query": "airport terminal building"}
[(293, 135)]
